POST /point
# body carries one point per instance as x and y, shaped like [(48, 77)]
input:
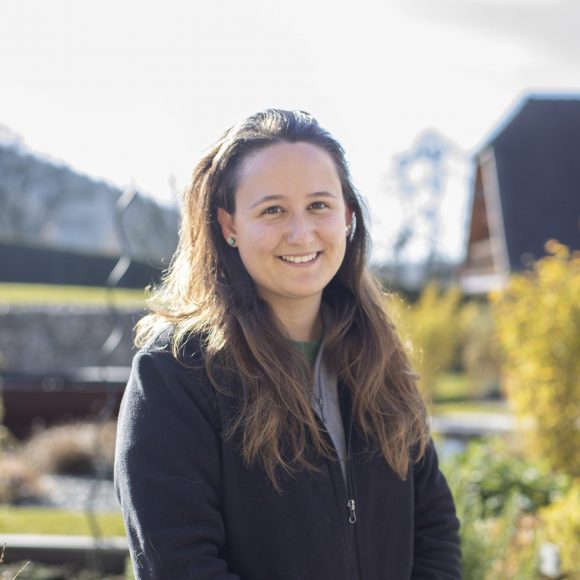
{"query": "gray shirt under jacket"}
[(327, 406)]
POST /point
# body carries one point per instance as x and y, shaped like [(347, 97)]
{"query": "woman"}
[(272, 428)]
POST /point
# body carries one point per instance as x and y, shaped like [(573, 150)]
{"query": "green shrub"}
[(498, 494), (477, 546), (489, 474), (503, 546), (538, 323), (516, 544)]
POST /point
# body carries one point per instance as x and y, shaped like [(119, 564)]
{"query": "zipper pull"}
[(351, 511)]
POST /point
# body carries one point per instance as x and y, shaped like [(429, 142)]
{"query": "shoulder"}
[(189, 349), (185, 357), (172, 381)]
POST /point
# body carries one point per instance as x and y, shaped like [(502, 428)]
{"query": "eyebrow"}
[(279, 197)]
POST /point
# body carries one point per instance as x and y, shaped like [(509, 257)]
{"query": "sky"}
[(134, 91)]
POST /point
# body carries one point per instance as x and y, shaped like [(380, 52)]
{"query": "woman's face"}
[(289, 223)]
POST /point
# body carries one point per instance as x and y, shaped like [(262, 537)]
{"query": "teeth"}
[(299, 259)]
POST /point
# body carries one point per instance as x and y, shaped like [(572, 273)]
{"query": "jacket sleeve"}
[(167, 474), (437, 553)]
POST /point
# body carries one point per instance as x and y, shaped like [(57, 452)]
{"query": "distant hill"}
[(69, 218)]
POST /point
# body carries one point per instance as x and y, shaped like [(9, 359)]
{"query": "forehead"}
[(288, 168)]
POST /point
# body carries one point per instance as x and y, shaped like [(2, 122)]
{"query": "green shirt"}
[(309, 349)]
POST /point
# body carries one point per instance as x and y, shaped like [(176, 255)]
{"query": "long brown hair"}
[(208, 293)]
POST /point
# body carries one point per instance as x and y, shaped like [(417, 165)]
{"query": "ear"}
[(348, 215), (226, 222)]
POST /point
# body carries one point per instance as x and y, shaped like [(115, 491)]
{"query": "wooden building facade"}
[(526, 191)]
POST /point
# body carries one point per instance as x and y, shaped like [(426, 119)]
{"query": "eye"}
[(273, 209), (318, 205)]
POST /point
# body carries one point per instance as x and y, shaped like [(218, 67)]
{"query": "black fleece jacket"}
[(193, 509)]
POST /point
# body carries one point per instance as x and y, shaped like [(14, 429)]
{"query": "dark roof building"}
[(526, 191)]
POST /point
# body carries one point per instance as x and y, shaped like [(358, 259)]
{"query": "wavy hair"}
[(208, 293)]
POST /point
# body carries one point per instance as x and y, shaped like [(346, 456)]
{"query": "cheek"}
[(256, 244), (261, 240), (337, 229)]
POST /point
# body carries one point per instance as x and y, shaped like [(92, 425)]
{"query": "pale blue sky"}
[(134, 90)]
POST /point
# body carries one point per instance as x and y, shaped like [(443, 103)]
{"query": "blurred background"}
[(461, 122)]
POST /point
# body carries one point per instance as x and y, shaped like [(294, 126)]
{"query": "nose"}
[(300, 231)]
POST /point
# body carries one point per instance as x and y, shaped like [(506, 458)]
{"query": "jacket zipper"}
[(342, 489), (351, 504), (351, 511)]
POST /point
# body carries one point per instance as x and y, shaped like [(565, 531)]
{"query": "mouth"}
[(301, 258)]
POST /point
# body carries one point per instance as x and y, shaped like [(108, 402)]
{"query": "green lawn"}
[(470, 407), (20, 520), (450, 386), (451, 394), (41, 294)]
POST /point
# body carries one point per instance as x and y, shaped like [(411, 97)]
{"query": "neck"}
[(302, 321)]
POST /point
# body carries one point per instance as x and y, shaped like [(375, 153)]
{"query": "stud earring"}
[(348, 230), (232, 241)]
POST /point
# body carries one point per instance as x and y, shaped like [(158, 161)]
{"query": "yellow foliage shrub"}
[(431, 325), (537, 319), (561, 522), (479, 351)]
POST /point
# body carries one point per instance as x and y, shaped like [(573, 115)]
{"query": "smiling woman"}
[(272, 427)]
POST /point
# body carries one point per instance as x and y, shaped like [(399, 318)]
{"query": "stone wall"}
[(41, 339)]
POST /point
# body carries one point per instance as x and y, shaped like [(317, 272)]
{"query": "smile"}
[(300, 259)]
